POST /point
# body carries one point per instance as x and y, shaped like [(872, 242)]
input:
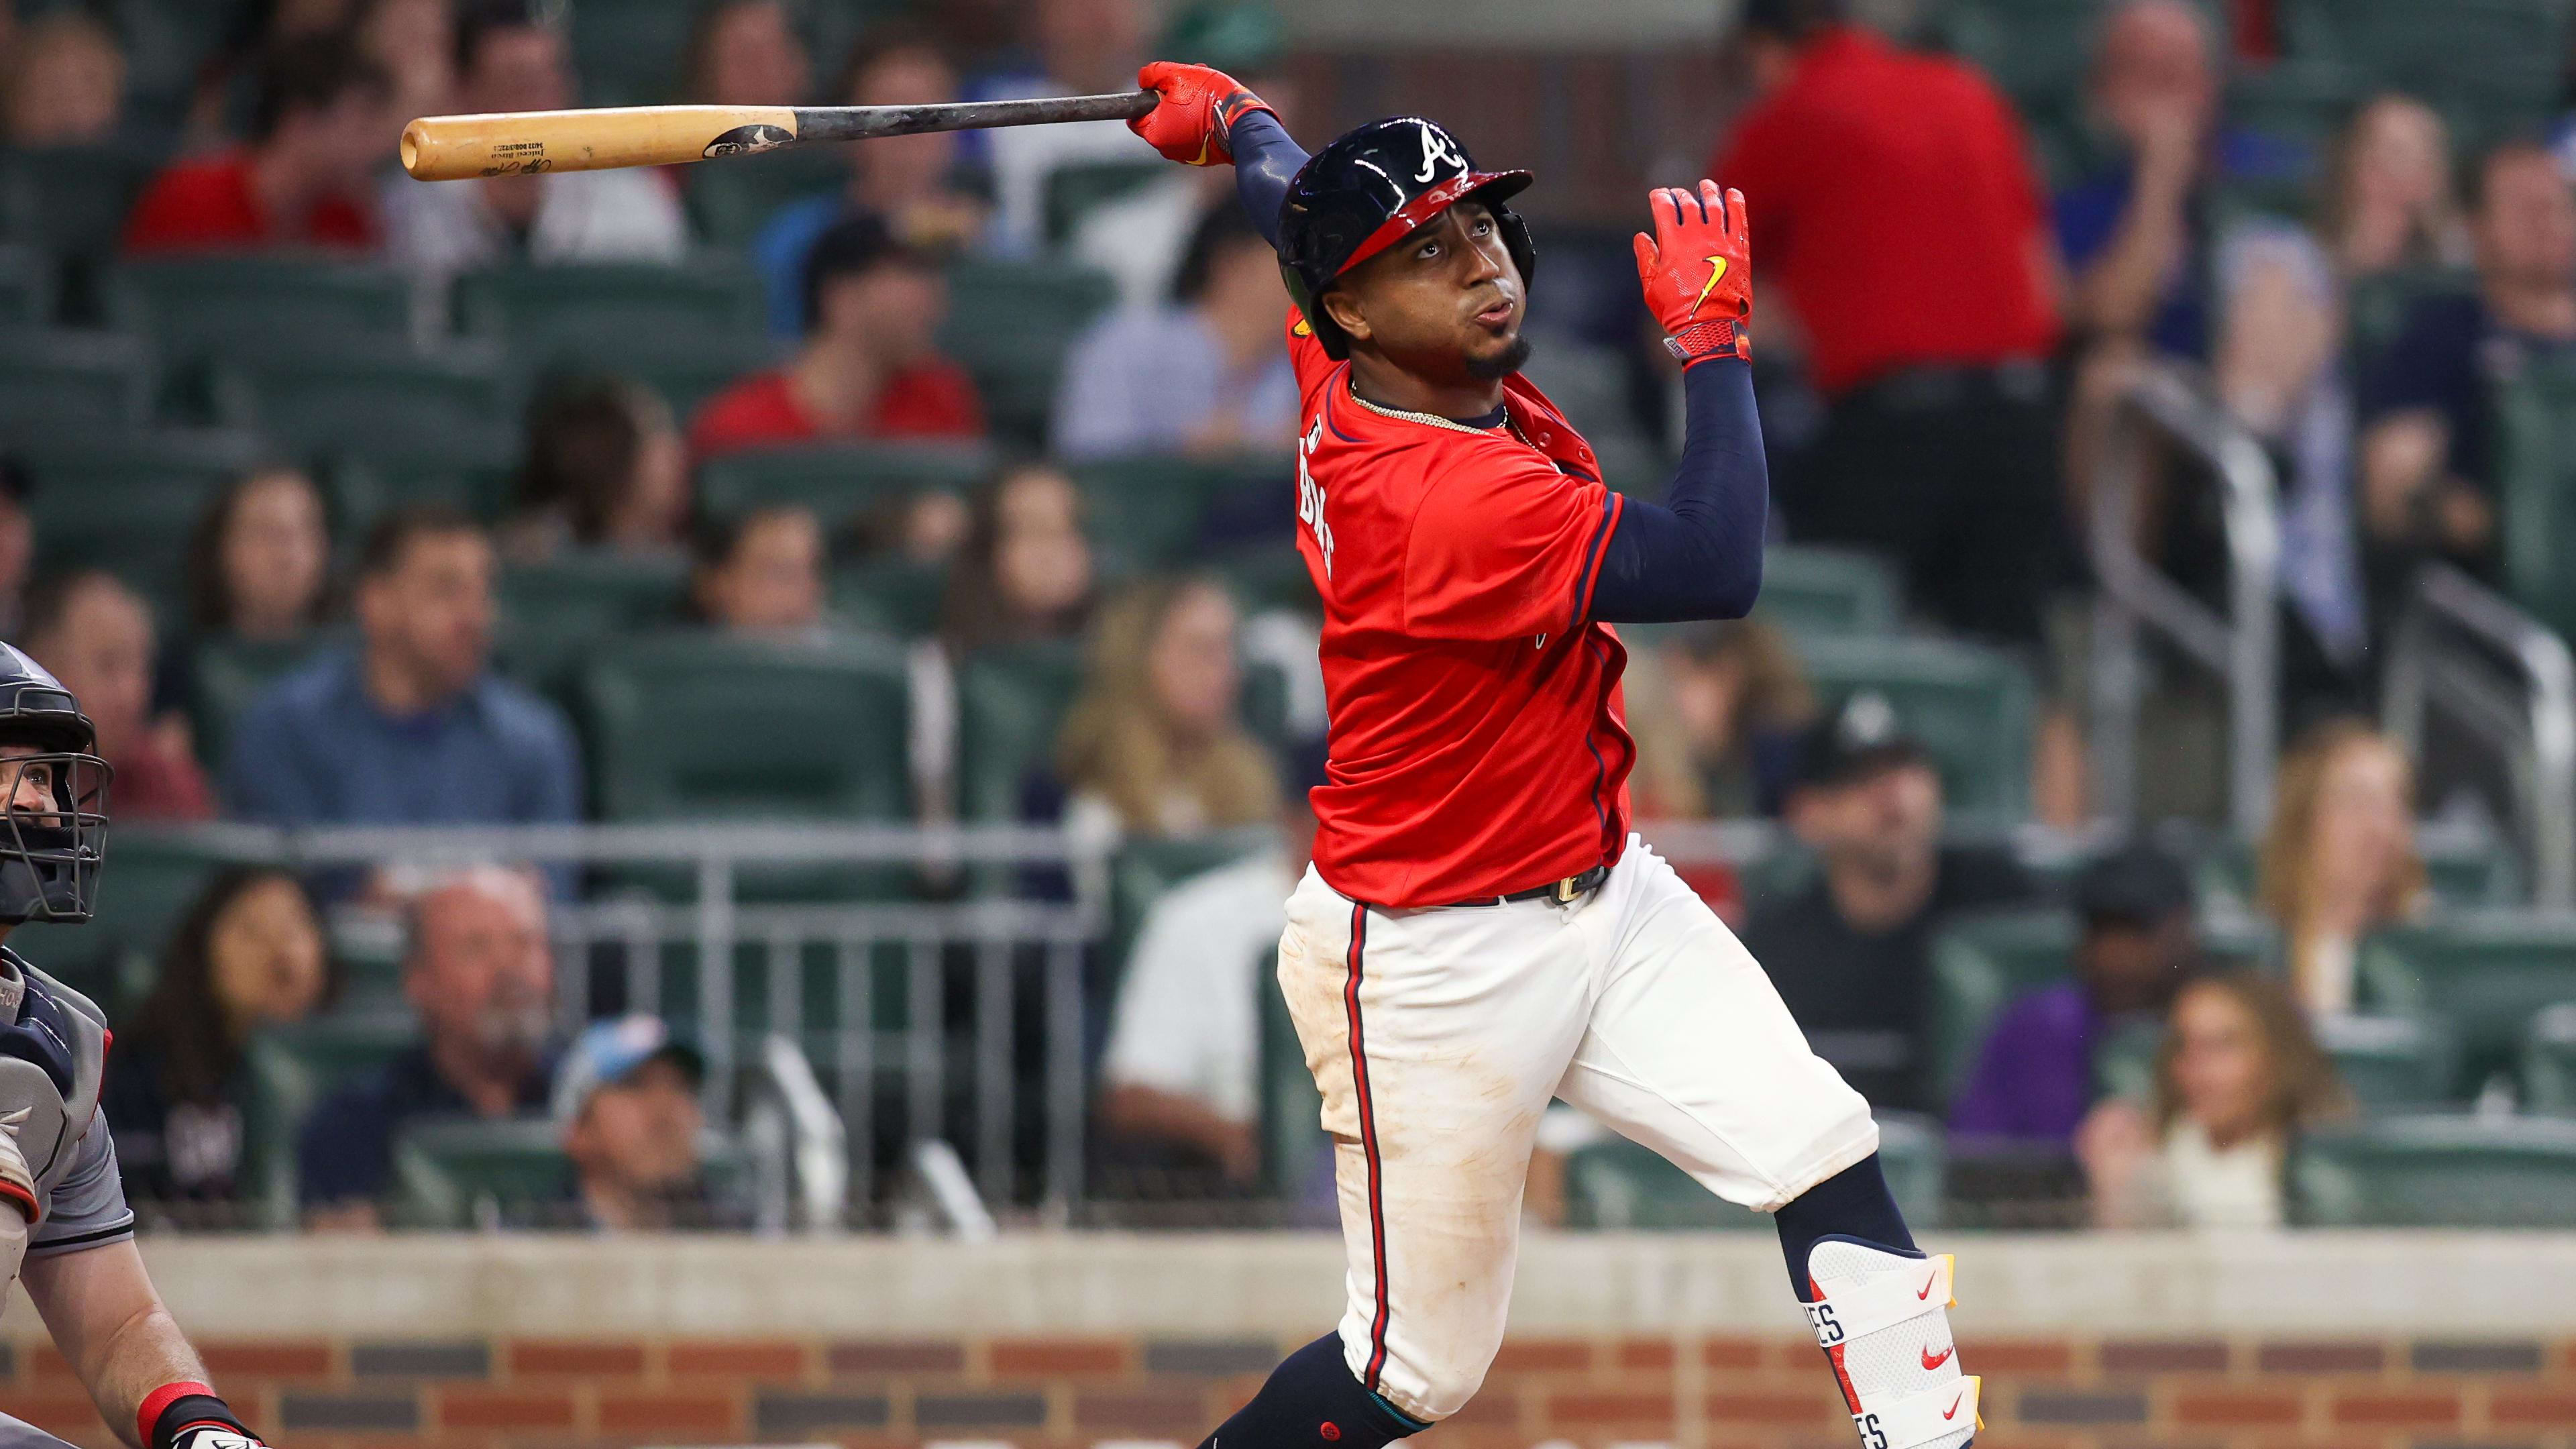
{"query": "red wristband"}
[(147, 1418)]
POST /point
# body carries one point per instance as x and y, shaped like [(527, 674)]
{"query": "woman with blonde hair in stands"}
[(2238, 1076), (1155, 736), (2339, 860)]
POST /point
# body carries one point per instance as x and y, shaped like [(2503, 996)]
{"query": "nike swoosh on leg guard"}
[(1882, 1318)]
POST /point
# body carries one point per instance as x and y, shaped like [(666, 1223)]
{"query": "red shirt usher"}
[(1478, 743)]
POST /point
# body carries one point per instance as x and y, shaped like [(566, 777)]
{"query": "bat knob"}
[(414, 136)]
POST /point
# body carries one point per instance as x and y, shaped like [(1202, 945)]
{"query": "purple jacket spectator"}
[(2034, 1079)]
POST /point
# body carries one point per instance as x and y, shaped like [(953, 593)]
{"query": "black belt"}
[(1564, 892)]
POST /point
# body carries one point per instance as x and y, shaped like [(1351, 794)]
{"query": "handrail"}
[(2242, 644), (2535, 731)]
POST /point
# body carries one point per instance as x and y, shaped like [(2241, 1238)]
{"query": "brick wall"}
[(1060, 1393)]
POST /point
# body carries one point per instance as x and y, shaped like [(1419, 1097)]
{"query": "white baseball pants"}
[(1437, 1038)]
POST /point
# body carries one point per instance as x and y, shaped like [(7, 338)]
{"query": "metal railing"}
[(2528, 720), (2241, 644)]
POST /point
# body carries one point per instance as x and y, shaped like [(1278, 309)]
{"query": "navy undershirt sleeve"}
[(1697, 555), (1266, 159)]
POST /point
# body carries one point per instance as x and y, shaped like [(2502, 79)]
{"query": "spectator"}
[(627, 1100), (1204, 374), (17, 544), (2040, 1070), (2429, 468), (1024, 573), (479, 972), (2339, 859), (258, 564), (316, 137), (415, 41), (746, 53), (2389, 201), (413, 727), (1154, 744), (1939, 446), (870, 366), (96, 637), (1851, 954), (508, 59), (1084, 47), (65, 82), (761, 572), (605, 468), (1717, 710), (249, 955), (2237, 1078), (908, 182)]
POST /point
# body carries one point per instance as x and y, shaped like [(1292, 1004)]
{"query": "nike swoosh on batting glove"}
[(1697, 271)]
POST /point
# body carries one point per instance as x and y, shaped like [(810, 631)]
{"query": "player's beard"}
[(1501, 364)]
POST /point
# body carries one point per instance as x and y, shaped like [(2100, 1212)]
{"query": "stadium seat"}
[(688, 372), (225, 675), (2491, 65), (71, 200), (2483, 975), (2549, 1061), (2535, 417), (1617, 1185), (630, 53), (1970, 706), (1144, 512), (2388, 1063), (731, 203), (2463, 868), (26, 287), (154, 875), (1296, 1152), (381, 402), (692, 725), (456, 1175), (2453, 1172), (838, 480), (1809, 590), (470, 472), (892, 595), (1143, 870), (1010, 703), (597, 313), (56, 380), (1074, 191), (233, 306), (1010, 323), (552, 612), (127, 499), (291, 1070)]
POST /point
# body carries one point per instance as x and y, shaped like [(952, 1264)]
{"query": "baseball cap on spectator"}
[(850, 247), (2136, 885), (1857, 742), (610, 1053)]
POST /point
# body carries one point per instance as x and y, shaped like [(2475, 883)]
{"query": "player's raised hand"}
[(1198, 107), (1697, 270)]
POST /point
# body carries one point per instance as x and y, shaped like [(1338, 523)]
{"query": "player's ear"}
[(1345, 312)]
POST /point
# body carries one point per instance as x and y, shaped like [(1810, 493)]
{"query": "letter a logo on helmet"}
[(1369, 190)]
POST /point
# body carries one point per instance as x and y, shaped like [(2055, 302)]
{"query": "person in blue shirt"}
[(412, 727)]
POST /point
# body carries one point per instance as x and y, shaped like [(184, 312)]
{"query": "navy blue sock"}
[(1853, 1203), (1312, 1402)]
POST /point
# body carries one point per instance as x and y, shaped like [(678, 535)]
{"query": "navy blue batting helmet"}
[(49, 855), (1367, 191)]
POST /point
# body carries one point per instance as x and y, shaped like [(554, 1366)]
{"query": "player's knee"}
[(1449, 1382)]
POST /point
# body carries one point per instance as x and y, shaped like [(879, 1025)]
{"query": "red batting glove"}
[(1198, 107), (1698, 272)]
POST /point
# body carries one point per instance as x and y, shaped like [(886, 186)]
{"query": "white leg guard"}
[(1882, 1319)]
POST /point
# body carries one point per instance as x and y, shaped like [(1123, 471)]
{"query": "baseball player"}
[(65, 1230), (1479, 932)]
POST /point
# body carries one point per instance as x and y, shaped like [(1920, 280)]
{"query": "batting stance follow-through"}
[(1479, 933), (65, 1230)]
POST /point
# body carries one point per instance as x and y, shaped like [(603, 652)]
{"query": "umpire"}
[(65, 1230), (1901, 218)]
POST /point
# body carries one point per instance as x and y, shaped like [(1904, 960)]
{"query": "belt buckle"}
[(1565, 892)]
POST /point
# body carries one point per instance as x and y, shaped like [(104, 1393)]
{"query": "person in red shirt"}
[(870, 366), (1930, 345), (1479, 933), (317, 134)]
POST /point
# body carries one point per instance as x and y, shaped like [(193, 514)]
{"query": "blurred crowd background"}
[(2145, 776)]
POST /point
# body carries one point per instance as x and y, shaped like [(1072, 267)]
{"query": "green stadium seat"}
[(2549, 1061), (2483, 975), (1267, 576), (154, 876), (890, 595), (26, 287), (1810, 590), (1617, 1185), (731, 203), (71, 200), (128, 499), (230, 306), (1074, 191), (226, 674), (552, 612), (61, 381), (1143, 513), (838, 480), (689, 372), (1143, 870), (1010, 703), (1295, 1149), (693, 725), (629, 53), (383, 403), (291, 1070), (471, 472), (598, 312), (2388, 1063), (1970, 706), (2491, 65), (2451, 1172), (456, 1175), (1011, 323), (2465, 869)]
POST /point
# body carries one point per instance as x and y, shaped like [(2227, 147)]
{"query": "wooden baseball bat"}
[(517, 143)]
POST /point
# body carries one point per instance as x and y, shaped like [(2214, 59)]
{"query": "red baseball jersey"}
[(1478, 746)]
